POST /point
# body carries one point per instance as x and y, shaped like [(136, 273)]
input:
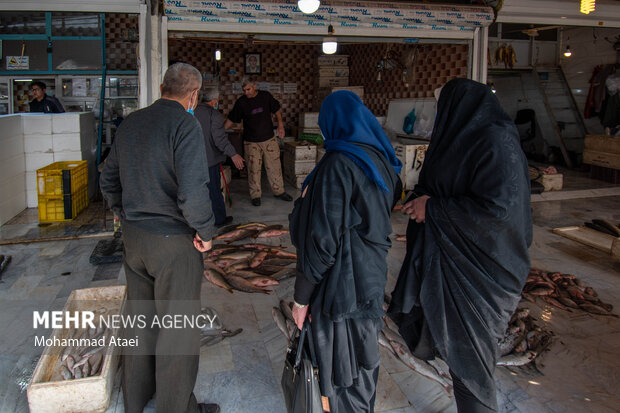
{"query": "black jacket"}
[(217, 143), (49, 104)]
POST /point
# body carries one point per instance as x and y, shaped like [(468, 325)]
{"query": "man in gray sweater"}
[(218, 148), (155, 178)]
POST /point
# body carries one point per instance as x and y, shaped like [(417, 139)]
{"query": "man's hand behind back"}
[(201, 245)]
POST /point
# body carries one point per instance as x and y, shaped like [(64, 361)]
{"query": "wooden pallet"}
[(592, 238)]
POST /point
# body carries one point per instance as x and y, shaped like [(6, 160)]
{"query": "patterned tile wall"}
[(121, 35), (434, 66), (280, 63)]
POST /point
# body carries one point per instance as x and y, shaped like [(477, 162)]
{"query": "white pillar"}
[(164, 45), (480, 45), (155, 59), (143, 98)]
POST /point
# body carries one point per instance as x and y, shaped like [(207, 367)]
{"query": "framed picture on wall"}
[(252, 64)]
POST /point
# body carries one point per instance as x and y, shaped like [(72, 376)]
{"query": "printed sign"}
[(290, 88), (17, 63)]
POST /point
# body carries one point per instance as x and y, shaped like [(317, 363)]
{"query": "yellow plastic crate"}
[(63, 208), (62, 178)]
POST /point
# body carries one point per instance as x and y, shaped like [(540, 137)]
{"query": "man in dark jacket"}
[(218, 148), (42, 102), (155, 179)]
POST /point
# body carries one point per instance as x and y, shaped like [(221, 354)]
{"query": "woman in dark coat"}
[(340, 227), (467, 242)]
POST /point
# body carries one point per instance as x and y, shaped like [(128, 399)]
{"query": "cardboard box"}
[(412, 157), (309, 120), (48, 392), (300, 150)]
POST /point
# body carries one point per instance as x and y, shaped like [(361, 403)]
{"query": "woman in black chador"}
[(467, 242), (340, 227)]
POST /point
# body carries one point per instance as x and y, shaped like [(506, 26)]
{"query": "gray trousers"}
[(164, 274)]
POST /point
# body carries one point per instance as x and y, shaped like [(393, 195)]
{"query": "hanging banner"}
[(17, 63)]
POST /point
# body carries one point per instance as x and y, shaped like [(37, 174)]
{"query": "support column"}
[(480, 44)]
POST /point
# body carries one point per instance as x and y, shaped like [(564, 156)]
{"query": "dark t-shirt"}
[(49, 104), (256, 116)]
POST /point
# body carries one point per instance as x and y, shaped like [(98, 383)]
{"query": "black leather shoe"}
[(226, 221), (256, 201), (208, 408), (284, 196)]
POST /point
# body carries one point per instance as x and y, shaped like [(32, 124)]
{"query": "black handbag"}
[(300, 378)]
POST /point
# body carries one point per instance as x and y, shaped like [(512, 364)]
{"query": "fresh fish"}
[(556, 303), (262, 281), (218, 279), (237, 265), (69, 362), (227, 228), (247, 274), (286, 309), (283, 254), (221, 249), (213, 266), (272, 233), (258, 259), (269, 228), (237, 255), (402, 238), (528, 297), (281, 262), (423, 368), (532, 338), (237, 235), (393, 336), (65, 373), (575, 293), (541, 291), (609, 226), (280, 321), (441, 368), (211, 340), (509, 342), (252, 225), (229, 333), (77, 372), (517, 359), (591, 291), (595, 309), (259, 246), (86, 369), (272, 268), (283, 274), (241, 284), (520, 314), (521, 346), (383, 341)]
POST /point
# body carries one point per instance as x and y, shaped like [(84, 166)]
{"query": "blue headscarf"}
[(344, 120)]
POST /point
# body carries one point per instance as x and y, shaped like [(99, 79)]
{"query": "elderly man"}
[(218, 148), (42, 102), (155, 179), (255, 110)]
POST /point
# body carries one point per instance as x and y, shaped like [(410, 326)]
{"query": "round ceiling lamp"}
[(308, 6)]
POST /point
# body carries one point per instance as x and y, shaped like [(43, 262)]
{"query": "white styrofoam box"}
[(333, 60), (11, 126), (37, 124), (67, 156), (65, 122), (66, 142), (309, 120), (31, 181), (295, 180), (32, 199), (36, 161), (12, 166), (297, 167), (334, 71), (9, 207), (38, 143), (11, 146), (412, 157), (300, 150), (398, 109)]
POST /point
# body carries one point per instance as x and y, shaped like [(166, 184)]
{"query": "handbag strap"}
[(310, 343)]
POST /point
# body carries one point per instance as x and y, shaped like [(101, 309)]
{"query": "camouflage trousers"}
[(254, 154)]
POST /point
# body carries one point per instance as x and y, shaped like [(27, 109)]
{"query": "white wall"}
[(589, 49), (12, 167)]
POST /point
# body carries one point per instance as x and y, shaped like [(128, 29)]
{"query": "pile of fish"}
[(214, 331), (83, 361), (604, 226), (564, 291), (234, 233), (251, 267), (523, 340), (505, 54), (388, 337)]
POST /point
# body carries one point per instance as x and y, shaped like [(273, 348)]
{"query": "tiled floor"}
[(579, 373)]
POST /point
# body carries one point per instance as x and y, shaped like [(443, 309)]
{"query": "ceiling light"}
[(23, 80), (330, 44), (567, 52), (218, 54), (587, 6), (308, 6)]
